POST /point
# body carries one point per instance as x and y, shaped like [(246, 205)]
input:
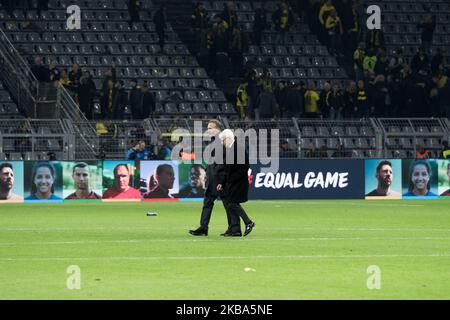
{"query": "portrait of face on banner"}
[(383, 179), (11, 181), (192, 180), (82, 180), (160, 179), (43, 181), (444, 177), (120, 181), (420, 179)]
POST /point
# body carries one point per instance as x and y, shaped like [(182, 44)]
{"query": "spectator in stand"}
[(119, 101), (159, 19), (75, 75), (325, 101), (336, 102), (341, 152), (295, 101), (428, 25), (148, 102), (370, 61), (445, 153), (229, 15), (54, 71), (267, 105), (351, 101), (375, 39), (265, 82), (325, 12), (382, 65), (107, 100), (199, 24), (219, 48), (134, 100), (238, 45), (64, 79), (378, 97), (420, 60), (133, 8), (311, 102), (281, 91), (110, 74), (358, 58), (163, 151), (86, 94), (41, 72), (282, 19), (335, 31), (396, 63), (242, 100), (260, 24), (323, 152), (138, 152), (421, 153), (362, 102), (252, 90), (312, 152)]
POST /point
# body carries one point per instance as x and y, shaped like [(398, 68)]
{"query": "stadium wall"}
[(61, 181)]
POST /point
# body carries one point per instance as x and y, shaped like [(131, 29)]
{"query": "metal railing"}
[(30, 95), (17, 76), (29, 139)]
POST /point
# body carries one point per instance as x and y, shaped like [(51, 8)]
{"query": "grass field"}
[(298, 250)]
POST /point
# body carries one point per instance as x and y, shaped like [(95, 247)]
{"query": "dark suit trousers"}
[(235, 211), (208, 205)]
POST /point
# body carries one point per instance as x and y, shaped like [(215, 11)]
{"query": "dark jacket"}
[(148, 104), (159, 19), (135, 103), (212, 171), (276, 18), (267, 105), (234, 177)]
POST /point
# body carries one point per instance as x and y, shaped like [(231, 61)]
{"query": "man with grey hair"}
[(211, 194), (233, 183)]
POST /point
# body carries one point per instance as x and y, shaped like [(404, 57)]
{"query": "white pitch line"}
[(150, 228), (299, 257), (325, 203), (13, 244)]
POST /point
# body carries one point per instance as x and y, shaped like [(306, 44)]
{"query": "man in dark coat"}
[(159, 19), (211, 194), (232, 183), (119, 101), (147, 102), (135, 100)]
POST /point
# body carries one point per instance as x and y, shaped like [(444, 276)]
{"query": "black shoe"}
[(228, 233), (234, 234), (199, 232), (248, 228)]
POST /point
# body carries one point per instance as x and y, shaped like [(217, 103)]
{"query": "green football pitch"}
[(298, 250)]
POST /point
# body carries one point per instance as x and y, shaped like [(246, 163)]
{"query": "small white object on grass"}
[(249, 270), (152, 214)]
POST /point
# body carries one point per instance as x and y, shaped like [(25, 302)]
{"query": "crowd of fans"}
[(112, 97), (382, 84)]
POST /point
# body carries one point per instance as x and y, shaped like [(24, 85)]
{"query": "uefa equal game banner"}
[(58, 181), (309, 179)]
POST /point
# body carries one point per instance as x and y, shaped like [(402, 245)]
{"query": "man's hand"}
[(219, 187)]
